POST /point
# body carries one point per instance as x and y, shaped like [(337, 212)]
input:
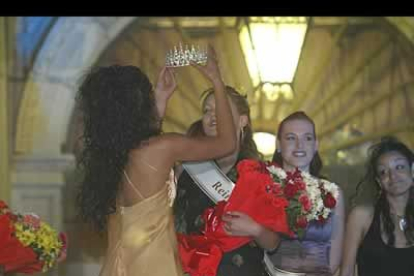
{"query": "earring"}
[(242, 133), (379, 194), (412, 170), (277, 149), (379, 184)]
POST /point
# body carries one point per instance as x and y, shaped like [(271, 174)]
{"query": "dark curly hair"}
[(316, 164), (119, 114), (388, 144), (248, 148)]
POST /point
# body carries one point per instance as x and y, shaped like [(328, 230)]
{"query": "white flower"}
[(279, 172), (272, 169), (326, 213), (331, 188), (306, 175)]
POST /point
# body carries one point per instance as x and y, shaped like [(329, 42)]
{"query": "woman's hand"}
[(166, 84), (211, 69), (240, 224)]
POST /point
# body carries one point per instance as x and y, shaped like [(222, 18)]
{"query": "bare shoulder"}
[(159, 145), (162, 146), (361, 216), (362, 211), (162, 141), (155, 151)]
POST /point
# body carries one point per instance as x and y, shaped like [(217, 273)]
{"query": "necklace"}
[(402, 222)]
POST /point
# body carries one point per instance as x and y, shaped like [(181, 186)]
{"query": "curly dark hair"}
[(388, 144), (316, 164), (248, 148), (119, 114)]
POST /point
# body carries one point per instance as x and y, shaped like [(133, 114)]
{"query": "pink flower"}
[(32, 220), (305, 201)]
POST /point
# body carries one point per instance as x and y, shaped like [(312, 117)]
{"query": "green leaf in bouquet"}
[(300, 232), (276, 179)]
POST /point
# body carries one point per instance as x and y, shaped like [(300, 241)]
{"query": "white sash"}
[(207, 175)]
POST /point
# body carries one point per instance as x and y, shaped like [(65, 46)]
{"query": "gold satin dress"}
[(142, 240)]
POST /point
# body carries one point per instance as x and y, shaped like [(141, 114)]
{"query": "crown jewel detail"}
[(182, 56)]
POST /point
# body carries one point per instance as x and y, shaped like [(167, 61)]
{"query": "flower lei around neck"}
[(310, 198)]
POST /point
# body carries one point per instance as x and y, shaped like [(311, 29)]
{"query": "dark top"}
[(189, 205), (377, 258)]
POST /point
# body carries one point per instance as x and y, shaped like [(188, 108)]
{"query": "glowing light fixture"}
[(272, 46), (265, 142)]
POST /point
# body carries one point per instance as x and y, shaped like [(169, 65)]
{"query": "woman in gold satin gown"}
[(126, 162)]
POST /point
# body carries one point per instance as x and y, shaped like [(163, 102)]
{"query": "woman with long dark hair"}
[(127, 161), (380, 238)]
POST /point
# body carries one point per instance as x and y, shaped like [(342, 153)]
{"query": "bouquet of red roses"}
[(255, 195), (28, 245), (282, 201), (310, 198)]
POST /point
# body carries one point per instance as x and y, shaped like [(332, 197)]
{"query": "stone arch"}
[(73, 45)]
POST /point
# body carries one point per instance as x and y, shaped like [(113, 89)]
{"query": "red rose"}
[(305, 201), (301, 222), (12, 216), (321, 219), (295, 175), (3, 205), (276, 189), (290, 190), (329, 201), (301, 185)]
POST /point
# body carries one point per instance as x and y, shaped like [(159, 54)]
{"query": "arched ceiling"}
[(354, 76), (72, 45)]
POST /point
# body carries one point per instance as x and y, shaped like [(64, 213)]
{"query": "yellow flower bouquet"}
[(28, 244)]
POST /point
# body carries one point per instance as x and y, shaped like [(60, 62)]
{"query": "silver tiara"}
[(182, 56)]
